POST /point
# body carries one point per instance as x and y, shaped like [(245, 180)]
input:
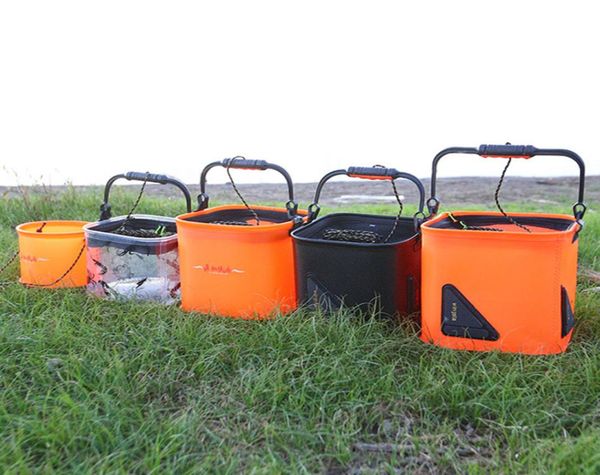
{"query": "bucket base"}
[(465, 345), (151, 289), (64, 284)]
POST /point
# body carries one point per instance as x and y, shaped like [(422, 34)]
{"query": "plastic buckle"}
[(105, 211), (419, 218), (292, 209), (433, 205), (579, 210), (202, 201), (313, 211)]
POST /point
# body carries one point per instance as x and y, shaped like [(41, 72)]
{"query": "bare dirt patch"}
[(466, 190)]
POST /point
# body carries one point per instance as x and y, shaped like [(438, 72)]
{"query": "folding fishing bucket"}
[(496, 280), (238, 261), (357, 260), (134, 256), (52, 254)]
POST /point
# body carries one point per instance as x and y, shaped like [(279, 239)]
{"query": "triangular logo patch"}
[(567, 316), (320, 297), (461, 319)]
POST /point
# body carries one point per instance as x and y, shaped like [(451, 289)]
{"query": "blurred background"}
[(90, 89)]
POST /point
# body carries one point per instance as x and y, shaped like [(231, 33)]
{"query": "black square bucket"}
[(370, 263)]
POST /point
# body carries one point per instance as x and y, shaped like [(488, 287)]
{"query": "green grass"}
[(88, 386)]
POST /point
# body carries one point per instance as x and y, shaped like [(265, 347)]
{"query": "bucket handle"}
[(105, 208), (510, 151), (368, 173), (242, 163)]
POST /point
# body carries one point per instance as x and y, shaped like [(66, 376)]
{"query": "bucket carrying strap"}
[(509, 151), (6, 265), (241, 163), (121, 229), (14, 256), (497, 199), (498, 205), (66, 273), (376, 172), (238, 192)]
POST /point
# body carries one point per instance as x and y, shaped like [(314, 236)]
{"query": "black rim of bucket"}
[(300, 233), (474, 221), (237, 216), (101, 234)]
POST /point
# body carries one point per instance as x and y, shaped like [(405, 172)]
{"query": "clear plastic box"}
[(129, 267)]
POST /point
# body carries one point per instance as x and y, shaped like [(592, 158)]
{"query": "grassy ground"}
[(88, 386)]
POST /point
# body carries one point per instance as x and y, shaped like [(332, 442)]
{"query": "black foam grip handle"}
[(161, 179), (507, 150), (376, 172), (245, 164), (150, 177)]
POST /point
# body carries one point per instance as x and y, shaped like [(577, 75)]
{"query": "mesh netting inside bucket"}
[(359, 228), (134, 257), (499, 223), (142, 228), (242, 217)]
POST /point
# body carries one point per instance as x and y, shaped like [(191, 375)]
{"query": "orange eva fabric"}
[(46, 255), (513, 278), (236, 271)]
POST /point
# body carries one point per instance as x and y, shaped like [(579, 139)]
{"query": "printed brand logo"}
[(33, 259), (454, 312), (218, 269)]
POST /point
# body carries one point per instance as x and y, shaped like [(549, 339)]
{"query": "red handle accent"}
[(369, 177), (507, 151)]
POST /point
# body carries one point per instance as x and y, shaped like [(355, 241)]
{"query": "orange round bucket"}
[(52, 254)]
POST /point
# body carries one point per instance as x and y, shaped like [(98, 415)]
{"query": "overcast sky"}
[(89, 89)]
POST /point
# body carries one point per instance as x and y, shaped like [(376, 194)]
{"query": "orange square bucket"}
[(500, 281), (238, 260)]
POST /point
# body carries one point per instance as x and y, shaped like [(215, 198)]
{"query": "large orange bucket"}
[(52, 254), (492, 282), (237, 260)]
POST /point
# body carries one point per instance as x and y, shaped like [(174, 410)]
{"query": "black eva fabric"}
[(365, 276), (381, 225), (241, 215), (554, 224)]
